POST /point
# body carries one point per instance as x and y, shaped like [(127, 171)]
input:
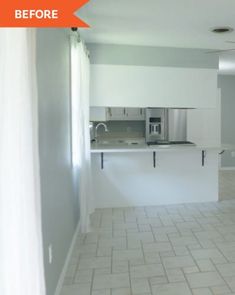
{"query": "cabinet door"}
[(116, 114), (98, 114), (135, 114)]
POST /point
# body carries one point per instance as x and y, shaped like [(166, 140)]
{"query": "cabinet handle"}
[(203, 158), (124, 111), (110, 112), (154, 159), (102, 160), (141, 111)]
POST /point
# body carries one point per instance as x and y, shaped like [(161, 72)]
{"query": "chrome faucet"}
[(96, 129)]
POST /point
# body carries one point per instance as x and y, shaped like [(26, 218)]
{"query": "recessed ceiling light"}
[(221, 30)]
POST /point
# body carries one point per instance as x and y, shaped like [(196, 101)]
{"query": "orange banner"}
[(41, 13)]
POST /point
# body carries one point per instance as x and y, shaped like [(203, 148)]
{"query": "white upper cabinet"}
[(116, 114), (137, 114), (126, 114), (98, 114), (139, 86)]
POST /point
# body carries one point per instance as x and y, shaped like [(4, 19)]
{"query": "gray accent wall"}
[(227, 85), (60, 210), (151, 56)]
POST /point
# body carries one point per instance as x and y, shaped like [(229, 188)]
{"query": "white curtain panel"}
[(80, 77), (21, 257)]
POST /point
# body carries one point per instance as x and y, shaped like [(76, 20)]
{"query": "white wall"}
[(59, 198), (114, 54), (204, 125), (227, 85)]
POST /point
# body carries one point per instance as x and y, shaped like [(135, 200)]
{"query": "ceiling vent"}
[(221, 30)]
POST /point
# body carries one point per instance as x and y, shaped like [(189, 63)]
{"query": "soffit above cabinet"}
[(139, 86)]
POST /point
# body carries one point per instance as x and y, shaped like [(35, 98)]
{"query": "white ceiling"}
[(167, 23), (173, 23)]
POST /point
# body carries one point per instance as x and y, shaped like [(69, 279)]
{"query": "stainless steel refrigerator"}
[(177, 125), (166, 125)]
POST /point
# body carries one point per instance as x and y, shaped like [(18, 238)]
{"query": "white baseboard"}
[(68, 257), (227, 168)]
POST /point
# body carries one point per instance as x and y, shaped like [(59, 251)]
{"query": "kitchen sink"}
[(119, 142), (164, 146)]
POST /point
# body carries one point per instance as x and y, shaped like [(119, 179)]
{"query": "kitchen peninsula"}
[(139, 175)]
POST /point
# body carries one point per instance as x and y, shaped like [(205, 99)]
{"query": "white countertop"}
[(142, 147)]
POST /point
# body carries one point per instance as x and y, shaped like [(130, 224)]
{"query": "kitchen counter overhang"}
[(123, 148)]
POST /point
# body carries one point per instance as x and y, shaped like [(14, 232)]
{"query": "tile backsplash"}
[(122, 129)]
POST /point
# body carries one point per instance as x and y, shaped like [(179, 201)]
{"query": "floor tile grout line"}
[(129, 272), (112, 260), (77, 268), (165, 272), (92, 281), (186, 280), (150, 286), (222, 275)]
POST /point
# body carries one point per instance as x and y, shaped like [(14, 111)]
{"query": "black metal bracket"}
[(203, 157), (154, 159), (102, 160)]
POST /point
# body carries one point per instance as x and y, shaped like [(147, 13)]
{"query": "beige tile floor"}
[(165, 250)]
